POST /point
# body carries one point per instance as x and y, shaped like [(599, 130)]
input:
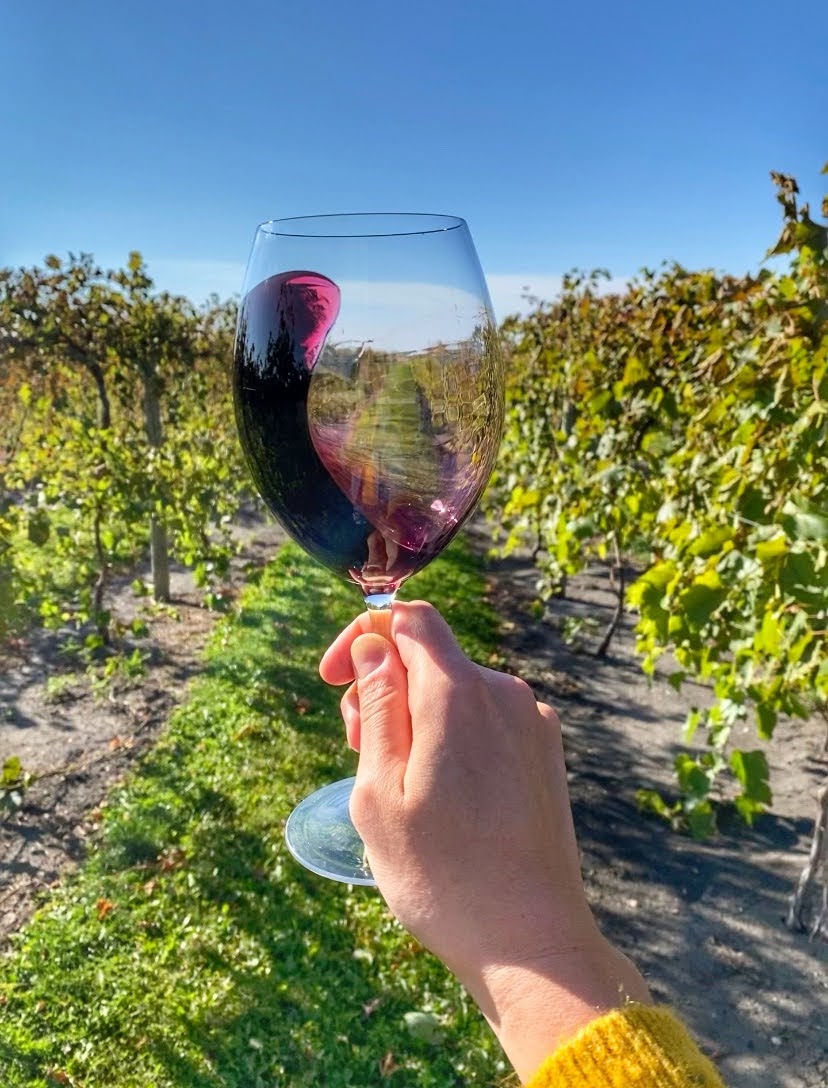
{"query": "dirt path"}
[(703, 921)]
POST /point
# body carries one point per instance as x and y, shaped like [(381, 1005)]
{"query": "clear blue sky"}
[(597, 134)]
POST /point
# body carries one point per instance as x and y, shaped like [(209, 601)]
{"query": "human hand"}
[(465, 817), (461, 800)]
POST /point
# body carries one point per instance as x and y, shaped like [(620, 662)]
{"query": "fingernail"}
[(367, 654)]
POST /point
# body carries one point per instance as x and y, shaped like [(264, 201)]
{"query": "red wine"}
[(370, 461)]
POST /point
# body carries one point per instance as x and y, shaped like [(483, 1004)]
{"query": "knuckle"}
[(521, 692), (362, 805), (509, 695), (516, 690), (420, 608), (501, 684), (421, 618), (481, 682), (374, 804), (550, 716)]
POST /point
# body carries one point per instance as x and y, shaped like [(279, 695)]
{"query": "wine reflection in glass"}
[(368, 386)]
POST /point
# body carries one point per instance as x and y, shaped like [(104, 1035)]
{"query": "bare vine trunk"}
[(817, 859), (620, 586), (159, 550), (104, 409), (101, 620)]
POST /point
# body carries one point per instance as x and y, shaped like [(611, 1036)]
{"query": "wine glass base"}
[(320, 835)]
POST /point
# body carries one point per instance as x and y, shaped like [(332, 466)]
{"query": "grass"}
[(190, 950)]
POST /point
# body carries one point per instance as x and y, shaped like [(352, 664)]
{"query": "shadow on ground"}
[(704, 921)]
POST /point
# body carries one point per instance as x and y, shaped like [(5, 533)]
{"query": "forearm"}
[(537, 1006)]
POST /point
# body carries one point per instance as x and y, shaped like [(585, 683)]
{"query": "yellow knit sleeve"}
[(636, 1047)]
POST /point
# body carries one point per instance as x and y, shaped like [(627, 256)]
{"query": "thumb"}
[(382, 687)]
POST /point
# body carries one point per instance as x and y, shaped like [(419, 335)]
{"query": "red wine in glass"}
[(368, 386)]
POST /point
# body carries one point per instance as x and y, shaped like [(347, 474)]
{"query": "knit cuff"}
[(639, 1046)]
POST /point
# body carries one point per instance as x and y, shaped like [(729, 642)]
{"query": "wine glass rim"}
[(388, 225)]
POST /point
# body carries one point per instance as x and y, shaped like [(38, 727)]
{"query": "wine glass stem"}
[(379, 611)]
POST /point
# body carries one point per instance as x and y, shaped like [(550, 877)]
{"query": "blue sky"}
[(602, 134)]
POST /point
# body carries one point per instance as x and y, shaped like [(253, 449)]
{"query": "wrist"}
[(538, 1003)]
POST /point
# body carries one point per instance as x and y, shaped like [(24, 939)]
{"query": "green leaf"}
[(582, 528), (38, 528), (701, 820), (805, 523), (652, 801), (700, 601), (800, 579), (751, 768), (766, 718), (748, 809), (694, 718), (693, 781), (752, 505), (12, 771)]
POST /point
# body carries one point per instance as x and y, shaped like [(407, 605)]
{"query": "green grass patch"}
[(190, 949)]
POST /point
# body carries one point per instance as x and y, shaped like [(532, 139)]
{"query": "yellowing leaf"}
[(767, 550), (769, 637), (711, 542), (634, 371), (709, 578)]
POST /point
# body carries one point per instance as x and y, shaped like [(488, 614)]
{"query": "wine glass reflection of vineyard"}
[(401, 436)]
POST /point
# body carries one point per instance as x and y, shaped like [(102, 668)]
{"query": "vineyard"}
[(674, 434), (119, 439), (685, 423)]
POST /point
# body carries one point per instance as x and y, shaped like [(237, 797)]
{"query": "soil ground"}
[(80, 743), (704, 921)]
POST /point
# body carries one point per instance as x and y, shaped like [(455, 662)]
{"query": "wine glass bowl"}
[(368, 385), (409, 439)]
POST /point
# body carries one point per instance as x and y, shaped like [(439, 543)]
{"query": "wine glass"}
[(368, 385)]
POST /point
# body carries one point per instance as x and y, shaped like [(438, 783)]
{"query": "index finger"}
[(417, 630)]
